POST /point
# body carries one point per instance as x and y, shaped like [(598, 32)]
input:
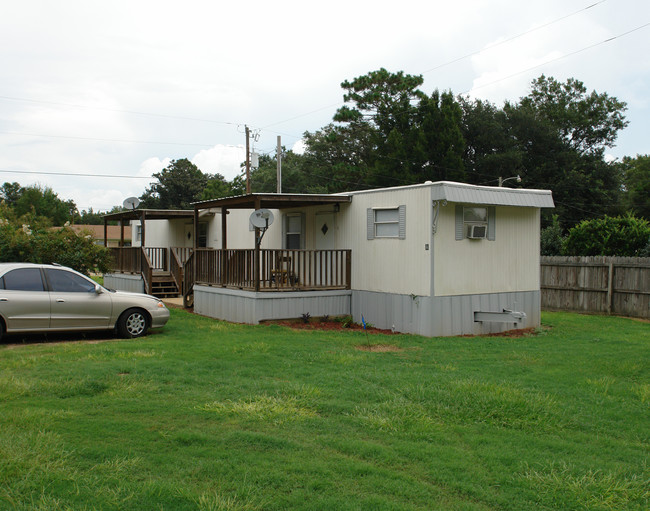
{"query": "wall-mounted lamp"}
[(337, 207)]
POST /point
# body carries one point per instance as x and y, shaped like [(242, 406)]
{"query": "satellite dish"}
[(131, 202), (261, 218)]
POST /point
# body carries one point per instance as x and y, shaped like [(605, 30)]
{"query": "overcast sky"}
[(112, 91)]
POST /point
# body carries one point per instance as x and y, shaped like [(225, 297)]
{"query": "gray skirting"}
[(250, 307), (443, 315), (431, 317), (124, 282)]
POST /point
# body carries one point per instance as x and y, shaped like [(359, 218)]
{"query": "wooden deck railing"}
[(279, 270)]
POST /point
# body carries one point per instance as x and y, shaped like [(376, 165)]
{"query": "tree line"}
[(389, 132)]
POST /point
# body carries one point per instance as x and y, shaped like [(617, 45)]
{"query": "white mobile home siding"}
[(389, 265), (510, 263)]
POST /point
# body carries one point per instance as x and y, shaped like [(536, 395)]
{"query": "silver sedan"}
[(51, 298)]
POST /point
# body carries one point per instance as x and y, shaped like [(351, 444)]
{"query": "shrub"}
[(608, 236), (22, 243), (552, 239)]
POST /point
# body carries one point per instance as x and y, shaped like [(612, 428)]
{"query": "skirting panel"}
[(250, 307), (124, 282), (443, 315)]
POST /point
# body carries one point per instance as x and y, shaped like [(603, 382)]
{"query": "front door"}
[(324, 235), (324, 230)]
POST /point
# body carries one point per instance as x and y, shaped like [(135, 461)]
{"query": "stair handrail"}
[(188, 280), (146, 271), (176, 270)]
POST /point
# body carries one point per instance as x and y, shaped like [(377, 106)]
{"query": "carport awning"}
[(272, 201)]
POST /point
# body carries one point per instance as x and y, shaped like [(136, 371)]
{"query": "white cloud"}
[(299, 147), (221, 159)]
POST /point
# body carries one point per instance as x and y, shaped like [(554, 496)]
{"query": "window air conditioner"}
[(476, 232)]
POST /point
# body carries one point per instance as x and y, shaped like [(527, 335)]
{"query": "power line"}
[(457, 59), (80, 174), (118, 110), (559, 58), (490, 46), (71, 137)]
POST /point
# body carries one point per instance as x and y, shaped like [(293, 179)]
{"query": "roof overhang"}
[(150, 214), (491, 195), (273, 201)]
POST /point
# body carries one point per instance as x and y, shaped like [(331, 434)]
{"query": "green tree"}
[(10, 192), (588, 122), (89, 217), (36, 242), (390, 133), (179, 185), (636, 177), (608, 236), (552, 238), (43, 202), (216, 187)]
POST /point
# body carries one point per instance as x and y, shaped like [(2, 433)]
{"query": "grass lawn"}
[(213, 416)]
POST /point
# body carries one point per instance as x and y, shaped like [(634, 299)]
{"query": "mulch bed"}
[(319, 324)]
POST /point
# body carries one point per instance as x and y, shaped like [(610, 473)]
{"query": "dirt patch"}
[(518, 332), (326, 325), (379, 348)]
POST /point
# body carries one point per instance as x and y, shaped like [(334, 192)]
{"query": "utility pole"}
[(279, 158), (248, 162)]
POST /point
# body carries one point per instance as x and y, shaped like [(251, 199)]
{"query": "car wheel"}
[(133, 323), (2, 330)]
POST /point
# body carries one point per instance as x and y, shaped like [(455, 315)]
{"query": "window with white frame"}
[(386, 223), (293, 233), (475, 222)]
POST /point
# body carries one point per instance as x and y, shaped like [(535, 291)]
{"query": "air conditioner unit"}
[(476, 232)]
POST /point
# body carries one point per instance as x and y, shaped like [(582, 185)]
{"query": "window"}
[(475, 222), (294, 236), (387, 223), (203, 235), (24, 279), (138, 233), (63, 281)]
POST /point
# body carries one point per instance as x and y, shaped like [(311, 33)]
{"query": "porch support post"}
[(256, 262), (195, 244), (224, 245), (105, 232), (142, 220), (122, 234)]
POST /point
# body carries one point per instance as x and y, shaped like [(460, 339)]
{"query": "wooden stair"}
[(164, 286)]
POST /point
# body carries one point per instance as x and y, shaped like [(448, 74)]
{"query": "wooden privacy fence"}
[(616, 285)]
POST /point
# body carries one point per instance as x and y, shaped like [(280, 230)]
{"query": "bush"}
[(21, 243), (552, 239), (608, 236)]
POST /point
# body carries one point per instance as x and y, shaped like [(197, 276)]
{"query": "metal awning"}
[(151, 214), (272, 201)]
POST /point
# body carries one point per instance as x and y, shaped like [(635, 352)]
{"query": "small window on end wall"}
[(475, 222), (294, 231), (387, 223)]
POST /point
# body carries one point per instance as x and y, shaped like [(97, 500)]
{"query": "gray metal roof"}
[(492, 195), (474, 194)]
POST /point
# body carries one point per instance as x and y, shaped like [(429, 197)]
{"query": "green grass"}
[(207, 415)]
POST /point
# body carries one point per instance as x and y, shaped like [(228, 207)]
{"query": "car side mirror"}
[(98, 289)]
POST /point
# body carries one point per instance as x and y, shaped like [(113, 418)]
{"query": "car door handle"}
[(4, 299), (60, 300)]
